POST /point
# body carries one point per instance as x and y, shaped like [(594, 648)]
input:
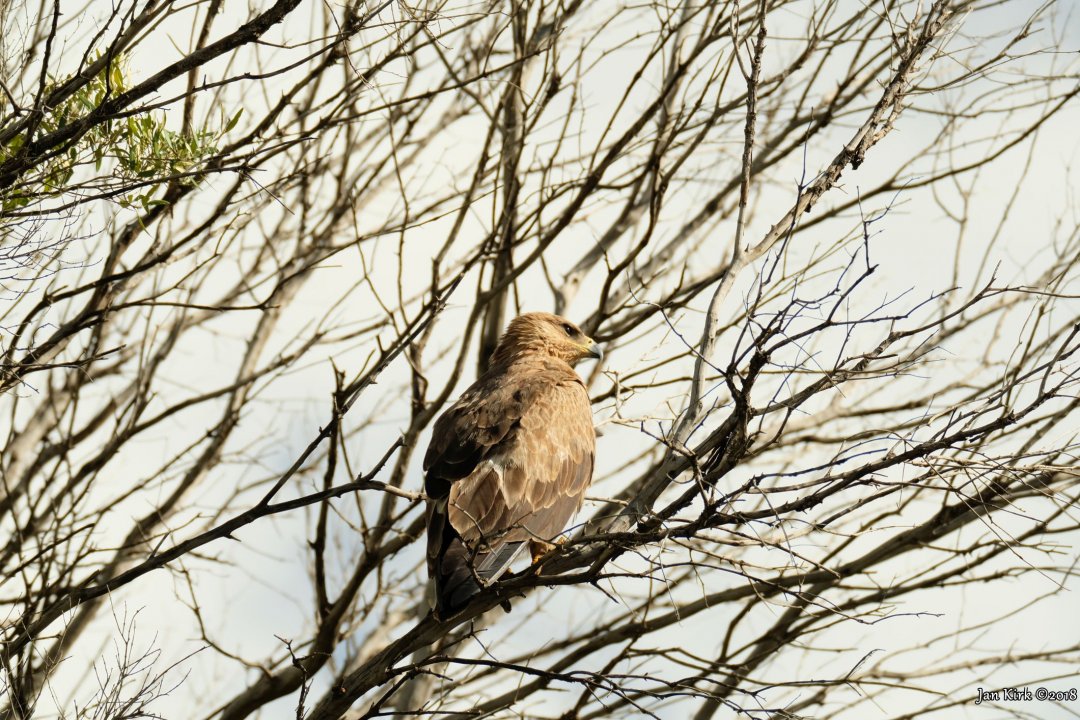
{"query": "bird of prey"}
[(509, 463)]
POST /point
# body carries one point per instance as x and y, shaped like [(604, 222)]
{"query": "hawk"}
[(509, 463)]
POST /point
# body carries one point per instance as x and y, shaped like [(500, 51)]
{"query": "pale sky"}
[(264, 594)]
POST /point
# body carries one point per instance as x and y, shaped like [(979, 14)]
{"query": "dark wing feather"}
[(477, 422)]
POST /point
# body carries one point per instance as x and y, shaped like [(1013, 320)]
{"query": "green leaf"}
[(232, 123)]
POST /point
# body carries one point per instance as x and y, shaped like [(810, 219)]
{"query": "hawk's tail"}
[(449, 563), (455, 581), (460, 573)]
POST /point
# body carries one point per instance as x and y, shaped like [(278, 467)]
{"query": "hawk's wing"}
[(509, 462)]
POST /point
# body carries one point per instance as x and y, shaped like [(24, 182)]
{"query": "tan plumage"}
[(510, 461)]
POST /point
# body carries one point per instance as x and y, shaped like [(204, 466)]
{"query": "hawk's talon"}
[(539, 549)]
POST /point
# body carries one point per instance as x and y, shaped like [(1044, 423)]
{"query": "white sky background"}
[(264, 591)]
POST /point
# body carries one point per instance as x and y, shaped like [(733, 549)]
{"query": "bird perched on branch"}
[(509, 463)]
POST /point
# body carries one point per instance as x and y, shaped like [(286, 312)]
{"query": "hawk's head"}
[(546, 334)]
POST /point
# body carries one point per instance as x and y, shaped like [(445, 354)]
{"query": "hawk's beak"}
[(593, 350)]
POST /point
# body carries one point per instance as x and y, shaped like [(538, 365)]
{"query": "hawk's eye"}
[(569, 329)]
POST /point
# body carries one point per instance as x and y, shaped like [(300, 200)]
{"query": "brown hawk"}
[(510, 461)]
